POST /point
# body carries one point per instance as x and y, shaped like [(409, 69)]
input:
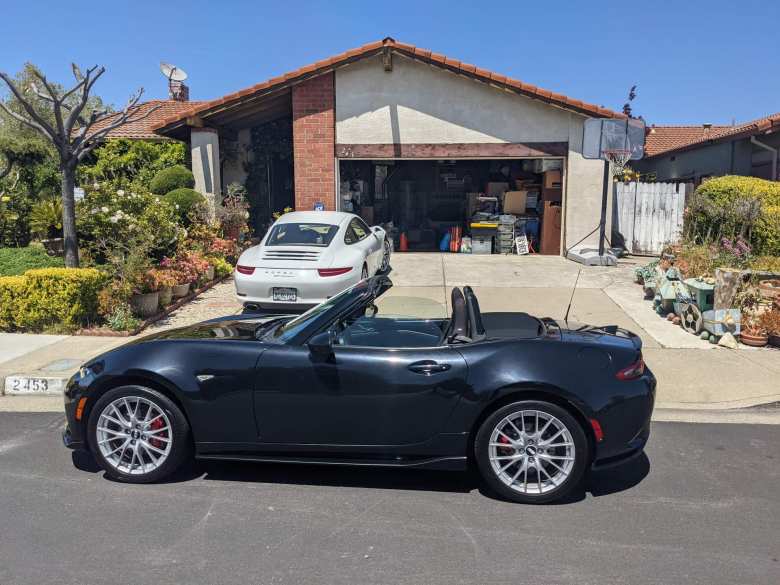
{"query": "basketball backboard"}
[(602, 135)]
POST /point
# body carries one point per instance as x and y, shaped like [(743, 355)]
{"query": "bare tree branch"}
[(31, 123), (54, 99), (128, 116), (40, 123), (86, 86)]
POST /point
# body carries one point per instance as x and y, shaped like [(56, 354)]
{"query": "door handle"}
[(428, 367)]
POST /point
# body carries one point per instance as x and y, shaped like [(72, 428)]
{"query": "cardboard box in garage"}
[(514, 202)]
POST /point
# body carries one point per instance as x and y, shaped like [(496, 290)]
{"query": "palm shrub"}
[(46, 218)]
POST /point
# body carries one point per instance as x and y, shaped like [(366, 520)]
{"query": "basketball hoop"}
[(619, 157)]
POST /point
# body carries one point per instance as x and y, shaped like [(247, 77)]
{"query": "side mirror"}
[(321, 345)]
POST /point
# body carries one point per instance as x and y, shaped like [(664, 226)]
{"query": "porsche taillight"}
[(333, 271), (633, 371), (245, 269)]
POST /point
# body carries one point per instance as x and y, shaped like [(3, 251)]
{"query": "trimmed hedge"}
[(175, 177), (63, 298), (185, 201), (732, 187), (16, 261)]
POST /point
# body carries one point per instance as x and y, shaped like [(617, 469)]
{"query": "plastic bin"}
[(481, 245)]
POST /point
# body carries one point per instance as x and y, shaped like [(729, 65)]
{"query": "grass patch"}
[(16, 261)]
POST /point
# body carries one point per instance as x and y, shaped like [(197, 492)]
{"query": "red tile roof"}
[(142, 129), (667, 139), (403, 49)]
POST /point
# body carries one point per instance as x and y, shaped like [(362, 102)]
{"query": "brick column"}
[(314, 136)]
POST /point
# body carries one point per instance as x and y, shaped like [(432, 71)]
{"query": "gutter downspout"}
[(770, 149)]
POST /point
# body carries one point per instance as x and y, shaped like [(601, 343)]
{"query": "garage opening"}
[(478, 206)]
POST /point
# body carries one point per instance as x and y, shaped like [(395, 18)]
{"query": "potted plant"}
[(753, 334), (181, 278), (234, 211), (770, 320), (167, 279), (146, 295)]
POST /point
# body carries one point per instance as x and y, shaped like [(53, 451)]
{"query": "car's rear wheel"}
[(138, 435), (531, 451)]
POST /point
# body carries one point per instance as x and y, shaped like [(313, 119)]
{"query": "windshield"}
[(292, 328), (301, 234)]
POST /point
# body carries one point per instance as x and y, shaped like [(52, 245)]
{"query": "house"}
[(693, 153), (142, 129), (404, 135)]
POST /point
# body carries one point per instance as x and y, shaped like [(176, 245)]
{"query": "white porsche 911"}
[(307, 257)]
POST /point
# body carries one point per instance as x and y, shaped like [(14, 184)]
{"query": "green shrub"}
[(730, 207), (185, 201), (16, 261), (11, 292), (221, 266), (731, 187), (766, 232), (128, 164), (61, 298), (175, 177)]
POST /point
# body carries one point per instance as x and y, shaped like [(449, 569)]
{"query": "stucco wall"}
[(715, 159), (584, 190), (418, 103)]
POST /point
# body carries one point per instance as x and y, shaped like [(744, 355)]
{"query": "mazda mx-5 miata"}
[(534, 403)]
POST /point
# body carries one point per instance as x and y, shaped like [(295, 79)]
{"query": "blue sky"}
[(694, 61)]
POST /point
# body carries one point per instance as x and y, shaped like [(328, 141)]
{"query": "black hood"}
[(237, 328)]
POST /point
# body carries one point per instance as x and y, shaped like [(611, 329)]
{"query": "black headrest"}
[(459, 323), (477, 329)]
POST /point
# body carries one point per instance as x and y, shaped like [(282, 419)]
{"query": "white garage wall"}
[(422, 104)]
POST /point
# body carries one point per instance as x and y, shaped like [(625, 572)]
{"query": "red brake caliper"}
[(503, 439), (153, 440)]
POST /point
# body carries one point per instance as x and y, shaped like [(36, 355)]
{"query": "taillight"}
[(245, 269), (333, 271), (633, 371)]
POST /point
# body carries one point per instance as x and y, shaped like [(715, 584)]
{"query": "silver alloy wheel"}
[(385, 258), (134, 435), (531, 451)]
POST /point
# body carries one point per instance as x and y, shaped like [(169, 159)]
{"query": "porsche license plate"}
[(287, 295)]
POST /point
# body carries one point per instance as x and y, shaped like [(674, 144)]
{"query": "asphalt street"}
[(702, 507)]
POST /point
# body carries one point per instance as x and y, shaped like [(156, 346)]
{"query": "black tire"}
[(385, 268), (180, 449), (489, 474)]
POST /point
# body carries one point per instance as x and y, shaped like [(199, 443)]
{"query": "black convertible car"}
[(533, 402)]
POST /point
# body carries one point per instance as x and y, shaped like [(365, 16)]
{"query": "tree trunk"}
[(70, 238)]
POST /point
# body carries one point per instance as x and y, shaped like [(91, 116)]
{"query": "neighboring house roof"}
[(142, 129), (668, 139), (376, 48)]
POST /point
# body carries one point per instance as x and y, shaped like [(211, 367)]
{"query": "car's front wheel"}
[(138, 435), (531, 451)]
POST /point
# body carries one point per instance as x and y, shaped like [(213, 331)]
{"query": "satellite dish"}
[(172, 72)]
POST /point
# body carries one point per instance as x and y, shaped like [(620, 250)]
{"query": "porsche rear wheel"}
[(531, 452), (138, 435)]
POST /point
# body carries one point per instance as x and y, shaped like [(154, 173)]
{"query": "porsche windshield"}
[(302, 234)]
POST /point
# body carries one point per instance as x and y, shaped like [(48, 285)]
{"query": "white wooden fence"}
[(647, 216)]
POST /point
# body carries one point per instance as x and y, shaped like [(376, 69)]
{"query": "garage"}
[(478, 206), (445, 155)]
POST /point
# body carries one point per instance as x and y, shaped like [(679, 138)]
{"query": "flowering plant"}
[(734, 253), (224, 248), (186, 266)]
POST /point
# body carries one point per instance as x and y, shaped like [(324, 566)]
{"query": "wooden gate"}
[(647, 216)]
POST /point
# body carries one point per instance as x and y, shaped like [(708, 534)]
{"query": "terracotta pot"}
[(753, 340), (145, 305), (181, 290), (209, 275), (774, 340), (166, 295)]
